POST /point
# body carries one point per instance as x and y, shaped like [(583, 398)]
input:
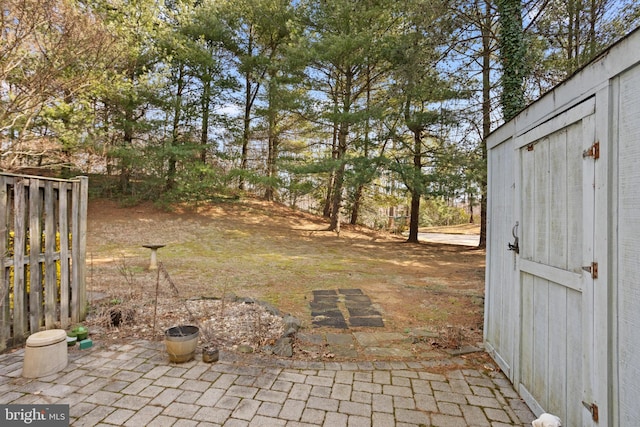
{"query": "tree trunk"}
[(269, 192), (593, 17), (416, 191), (578, 36), (414, 219), (127, 140), (204, 129), (343, 135), (570, 29), (272, 155), (326, 212), (486, 120), (357, 200), (336, 201), (357, 197), (246, 121), (175, 134), (512, 56)]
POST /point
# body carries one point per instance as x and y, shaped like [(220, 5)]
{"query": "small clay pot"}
[(210, 355)]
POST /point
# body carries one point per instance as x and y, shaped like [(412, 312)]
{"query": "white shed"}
[(562, 313)]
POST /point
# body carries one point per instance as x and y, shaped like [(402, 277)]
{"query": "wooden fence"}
[(43, 233)]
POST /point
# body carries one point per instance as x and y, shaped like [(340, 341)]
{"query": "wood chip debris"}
[(224, 324)]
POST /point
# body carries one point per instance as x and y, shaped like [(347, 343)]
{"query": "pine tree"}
[(512, 56)]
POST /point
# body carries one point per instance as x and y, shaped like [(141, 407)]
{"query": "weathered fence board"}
[(35, 232), (42, 254), (5, 314), (19, 243), (65, 276), (50, 290)]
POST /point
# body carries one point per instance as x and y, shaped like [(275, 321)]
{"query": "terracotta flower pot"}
[(181, 342)]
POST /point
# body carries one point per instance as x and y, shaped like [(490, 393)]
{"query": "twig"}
[(126, 272), (224, 297), (176, 292)]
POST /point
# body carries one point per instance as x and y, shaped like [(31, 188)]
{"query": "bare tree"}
[(49, 51)]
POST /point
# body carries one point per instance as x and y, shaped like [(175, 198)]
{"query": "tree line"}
[(351, 108)]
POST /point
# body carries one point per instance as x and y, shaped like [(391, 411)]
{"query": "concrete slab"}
[(325, 299), (327, 312), (351, 291), (366, 339), (340, 339), (387, 352), (467, 349), (367, 322), (357, 299), (330, 321), (363, 311), (423, 333), (310, 338), (322, 305), (341, 345), (324, 292), (343, 352)]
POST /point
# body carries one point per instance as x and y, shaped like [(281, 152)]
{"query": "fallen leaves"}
[(223, 324)]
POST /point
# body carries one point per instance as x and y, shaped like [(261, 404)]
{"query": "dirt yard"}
[(271, 253)]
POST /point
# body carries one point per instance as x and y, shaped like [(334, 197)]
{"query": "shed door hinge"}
[(593, 408), (593, 269), (593, 151)]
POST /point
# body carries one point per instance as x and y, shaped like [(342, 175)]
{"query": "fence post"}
[(82, 253), (79, 248)]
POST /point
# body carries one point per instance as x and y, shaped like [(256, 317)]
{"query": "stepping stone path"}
[(325, 309)]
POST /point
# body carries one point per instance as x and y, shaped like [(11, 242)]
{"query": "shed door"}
[(556, 241)]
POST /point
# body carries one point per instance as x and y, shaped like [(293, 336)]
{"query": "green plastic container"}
[(80, 332)]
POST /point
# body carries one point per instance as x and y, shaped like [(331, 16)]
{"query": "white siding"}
[(628, 171)]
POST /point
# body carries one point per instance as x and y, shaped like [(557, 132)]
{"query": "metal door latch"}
[(592, 269), (514, 246)]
